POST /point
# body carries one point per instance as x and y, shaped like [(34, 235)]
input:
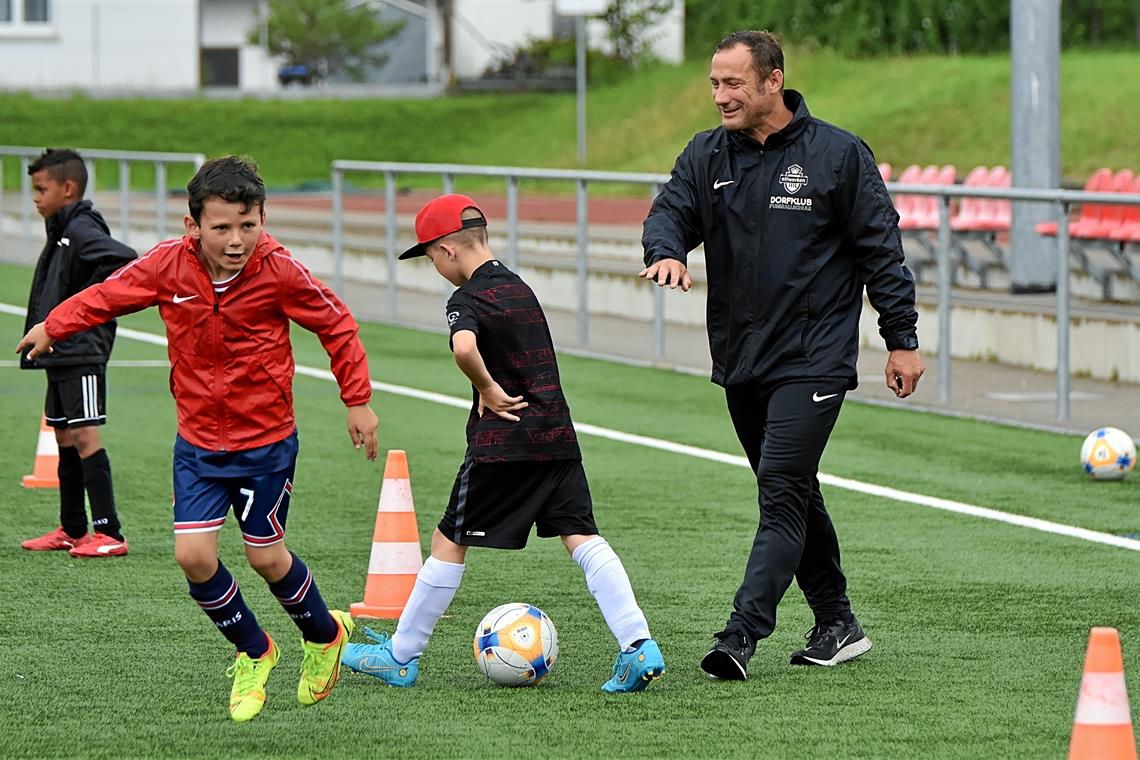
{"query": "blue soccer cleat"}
[(633, 671), (377, 660)]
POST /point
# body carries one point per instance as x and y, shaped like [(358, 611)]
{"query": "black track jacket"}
[(79, 252), (793, 230)]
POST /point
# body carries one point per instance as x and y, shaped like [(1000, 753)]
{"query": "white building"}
[(183, 45)]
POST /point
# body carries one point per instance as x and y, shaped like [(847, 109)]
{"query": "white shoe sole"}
[(849, 652)]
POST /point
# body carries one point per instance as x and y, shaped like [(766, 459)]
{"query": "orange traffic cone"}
[(1102, 729), (396, 557), (45, 473)]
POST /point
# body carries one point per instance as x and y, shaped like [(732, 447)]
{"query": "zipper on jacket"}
[(218, 384)]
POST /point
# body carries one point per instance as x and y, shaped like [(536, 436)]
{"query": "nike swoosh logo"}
[(717, 185), (843, 641), (625, 673), (817, 398), (180, 299), (107, 548)]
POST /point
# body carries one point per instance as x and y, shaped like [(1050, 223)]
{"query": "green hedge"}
[(891, 27)]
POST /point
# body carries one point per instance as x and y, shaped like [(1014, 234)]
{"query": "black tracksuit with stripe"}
[(793, 230)]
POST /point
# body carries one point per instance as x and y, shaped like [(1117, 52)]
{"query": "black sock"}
[(72, 511), (97, 481)]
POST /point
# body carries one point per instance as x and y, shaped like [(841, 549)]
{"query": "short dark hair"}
[(767, 55), (233, 179), (62, 164)]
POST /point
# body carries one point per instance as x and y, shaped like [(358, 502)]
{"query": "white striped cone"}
[(45, 472), (1102, 728), (396, 557)]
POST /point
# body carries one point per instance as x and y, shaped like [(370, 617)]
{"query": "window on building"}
[(5, 10), (36, 11)]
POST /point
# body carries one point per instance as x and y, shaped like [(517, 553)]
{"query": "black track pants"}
[(784, 429)]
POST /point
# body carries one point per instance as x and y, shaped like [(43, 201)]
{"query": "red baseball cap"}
[(440, 217)]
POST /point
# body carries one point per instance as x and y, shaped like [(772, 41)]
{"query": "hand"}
[(38, 339), (362, 424), (493, 397), (904, 368), (668, 272)]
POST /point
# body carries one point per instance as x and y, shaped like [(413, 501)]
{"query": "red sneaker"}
[(100, 545), (55, 540)]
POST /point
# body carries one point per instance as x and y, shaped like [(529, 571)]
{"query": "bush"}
[(891, 27)]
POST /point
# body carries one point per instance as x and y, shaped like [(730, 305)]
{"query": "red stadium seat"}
[(996, 214), (966, 220), (1099, 180), (1101, 226), (1128, 231), (923, 215), (904, 204)]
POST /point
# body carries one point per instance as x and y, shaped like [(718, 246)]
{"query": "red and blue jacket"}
[(231, 362)]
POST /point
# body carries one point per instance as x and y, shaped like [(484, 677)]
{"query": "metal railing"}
[(124, 158), (511, 175), (1062, 200)]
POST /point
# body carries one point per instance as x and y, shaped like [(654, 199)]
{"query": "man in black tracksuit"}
[(795, 221), (79, 252)]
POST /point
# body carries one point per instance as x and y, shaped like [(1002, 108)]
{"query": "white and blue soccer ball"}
[(1108, 453), (516, 644)]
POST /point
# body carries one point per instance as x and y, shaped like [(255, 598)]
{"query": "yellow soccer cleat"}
[(248, 694), (320, 667)]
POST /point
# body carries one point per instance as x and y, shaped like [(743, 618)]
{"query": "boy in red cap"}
[(522, 467)]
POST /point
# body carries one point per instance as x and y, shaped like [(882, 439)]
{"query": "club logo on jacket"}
[(793, 179)]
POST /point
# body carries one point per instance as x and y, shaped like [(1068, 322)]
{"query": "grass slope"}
[(909, 109), (979, 627)]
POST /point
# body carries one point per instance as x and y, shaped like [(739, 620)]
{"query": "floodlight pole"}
[(580, 45)]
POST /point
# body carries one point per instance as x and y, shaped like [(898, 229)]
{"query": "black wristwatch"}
[(908, 343)]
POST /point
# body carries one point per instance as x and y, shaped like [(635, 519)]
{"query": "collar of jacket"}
[(794, 128), (57, 222), (266, 244)]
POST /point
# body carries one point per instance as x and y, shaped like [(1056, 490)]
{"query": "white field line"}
[(847, 484)]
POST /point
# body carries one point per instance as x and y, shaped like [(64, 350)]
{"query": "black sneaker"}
[(728, 659), (832, 643)]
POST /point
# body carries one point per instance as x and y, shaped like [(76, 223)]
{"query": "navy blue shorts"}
[(256, 483)]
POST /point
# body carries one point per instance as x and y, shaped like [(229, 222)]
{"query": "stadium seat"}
[(1101, 226), (1098, 181), (966, 220), (904, 204), (1128, 231), (995, 215), (923, 214)]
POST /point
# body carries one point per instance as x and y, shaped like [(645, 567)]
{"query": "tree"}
[(327, 36), (628, 23)]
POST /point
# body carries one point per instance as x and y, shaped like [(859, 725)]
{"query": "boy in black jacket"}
[(79, 252)]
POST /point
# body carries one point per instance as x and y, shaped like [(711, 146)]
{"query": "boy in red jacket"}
[(227, 292)]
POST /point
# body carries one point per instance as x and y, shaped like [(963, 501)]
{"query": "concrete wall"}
[(128, 44)]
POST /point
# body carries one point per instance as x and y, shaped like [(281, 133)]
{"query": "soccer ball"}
[(516, 644), (1108, 454)]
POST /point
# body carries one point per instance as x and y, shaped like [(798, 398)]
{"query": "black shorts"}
[(496, 504), (76, 396)]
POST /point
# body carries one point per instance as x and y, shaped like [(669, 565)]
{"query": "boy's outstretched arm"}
[(491, 394), (362, 424)]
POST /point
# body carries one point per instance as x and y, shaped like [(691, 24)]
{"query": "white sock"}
[(608, 583), (435, 587)]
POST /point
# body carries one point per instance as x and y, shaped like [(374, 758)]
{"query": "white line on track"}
[(847, 484)]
